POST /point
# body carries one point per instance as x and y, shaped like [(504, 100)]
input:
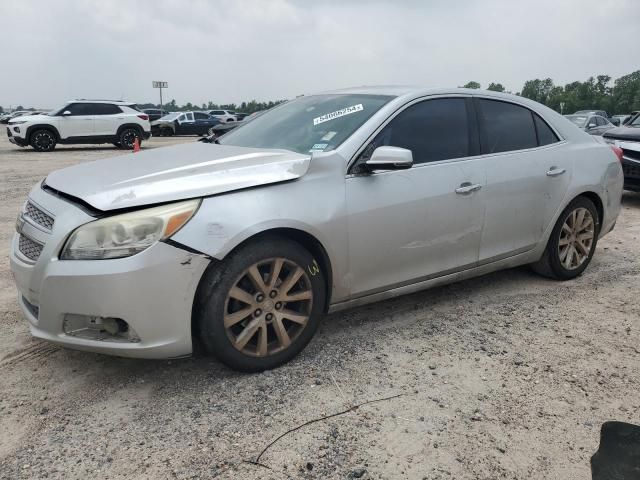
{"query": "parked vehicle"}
[(627, 138), (320, 204), (602, 113), (15, 114), (223, 115), (619, 120), (632, 117), (184, 123), (81, 122), (154, 113), (240, 116), (592, 124)]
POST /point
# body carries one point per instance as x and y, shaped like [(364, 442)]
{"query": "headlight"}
[(18, 122), (125, 235)]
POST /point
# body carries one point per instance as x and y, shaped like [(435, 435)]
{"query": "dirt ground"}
[(505, 376)]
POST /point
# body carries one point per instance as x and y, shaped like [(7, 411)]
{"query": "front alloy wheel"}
[(268, 307), (43, 141), (259, 307)]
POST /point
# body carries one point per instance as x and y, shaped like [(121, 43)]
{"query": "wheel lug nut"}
[(278, 305), (260, 297), (273, 294), (269, 316), (258, 312)]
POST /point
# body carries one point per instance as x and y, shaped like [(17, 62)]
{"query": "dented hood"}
[(175, 173)]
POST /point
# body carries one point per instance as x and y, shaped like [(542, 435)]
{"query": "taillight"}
[(144, 117), (618, 151)]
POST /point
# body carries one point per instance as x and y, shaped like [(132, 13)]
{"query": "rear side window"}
[(506, 127), (545, 134), (105, 109), (433, 130), (200, 116)]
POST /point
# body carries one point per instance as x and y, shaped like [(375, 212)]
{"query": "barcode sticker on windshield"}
[(337, 114)]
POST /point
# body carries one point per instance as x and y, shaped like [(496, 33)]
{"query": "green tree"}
[(626, 93), (472, 84), (495, 87), (537, 89)]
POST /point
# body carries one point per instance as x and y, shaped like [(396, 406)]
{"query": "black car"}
[(628, 139), (184, 123), (154, 113)]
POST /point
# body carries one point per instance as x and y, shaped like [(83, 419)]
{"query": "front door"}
[(411, 225), (79, 122)]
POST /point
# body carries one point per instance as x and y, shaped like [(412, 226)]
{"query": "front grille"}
[(8, 132), (631, 154), (29, 248), (38, 216)]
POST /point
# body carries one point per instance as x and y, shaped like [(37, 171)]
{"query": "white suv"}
[(81, 121), (225, 116)]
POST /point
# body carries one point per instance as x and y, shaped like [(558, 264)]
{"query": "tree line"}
[(596, 93)]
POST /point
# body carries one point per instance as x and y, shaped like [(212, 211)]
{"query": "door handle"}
[(468, 187), (554, 172)]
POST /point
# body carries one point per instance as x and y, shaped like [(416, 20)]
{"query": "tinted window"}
[(217, 112), (506, 127), (433, 130), (200, 116), (545, 134), (79, 109), (105, 109)]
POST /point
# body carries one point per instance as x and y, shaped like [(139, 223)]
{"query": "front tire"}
[(572, 242), (43, 140), (261, 307)]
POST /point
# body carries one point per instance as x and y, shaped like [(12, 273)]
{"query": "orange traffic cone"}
[(136, 145)]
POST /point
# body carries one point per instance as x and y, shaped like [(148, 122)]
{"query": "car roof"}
[(114, 102)]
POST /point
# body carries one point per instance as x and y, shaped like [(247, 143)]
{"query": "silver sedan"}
[(320, 204)]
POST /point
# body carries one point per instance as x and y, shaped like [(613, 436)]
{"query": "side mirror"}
[(66, 113), (389, 158)]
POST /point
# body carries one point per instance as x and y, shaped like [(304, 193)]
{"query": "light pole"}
[(160, 85)]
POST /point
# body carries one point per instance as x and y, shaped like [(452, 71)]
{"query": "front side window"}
[(78, 109), (308, 124), (189, 117), (433, 130), (505, 127)]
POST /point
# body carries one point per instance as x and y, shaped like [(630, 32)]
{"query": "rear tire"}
[(572, 242), (247, 317), (128, 136), (43, 140)]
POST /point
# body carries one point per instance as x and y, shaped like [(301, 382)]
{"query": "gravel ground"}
[(505, 376)]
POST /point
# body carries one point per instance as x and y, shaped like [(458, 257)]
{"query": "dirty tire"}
[(43, 140), (550, 265), (213, 302), (127, 138)]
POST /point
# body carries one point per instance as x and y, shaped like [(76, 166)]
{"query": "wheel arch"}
[(33, 128), (596, 200), (129, 125)]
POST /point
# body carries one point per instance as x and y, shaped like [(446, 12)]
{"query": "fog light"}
[(16, 129), (108, 329)]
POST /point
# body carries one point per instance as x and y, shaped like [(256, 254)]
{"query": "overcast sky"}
[(234, 50)]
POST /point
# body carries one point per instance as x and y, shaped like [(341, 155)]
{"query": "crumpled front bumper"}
[(152, 291)]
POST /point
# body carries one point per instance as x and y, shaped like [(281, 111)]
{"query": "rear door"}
[(80, 122), (410, 225), (108, 118), (201, 123), (527, 177)]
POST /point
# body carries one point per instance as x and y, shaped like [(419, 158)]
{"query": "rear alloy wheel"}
[(572, 242), (128, 137), (263, 306), (43, 141)]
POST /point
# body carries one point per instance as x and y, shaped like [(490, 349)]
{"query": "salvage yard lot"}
[(505, 376)]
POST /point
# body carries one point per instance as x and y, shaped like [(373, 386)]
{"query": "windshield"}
[(307, 124), (578, 120), (169, 117), (635, 122)]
